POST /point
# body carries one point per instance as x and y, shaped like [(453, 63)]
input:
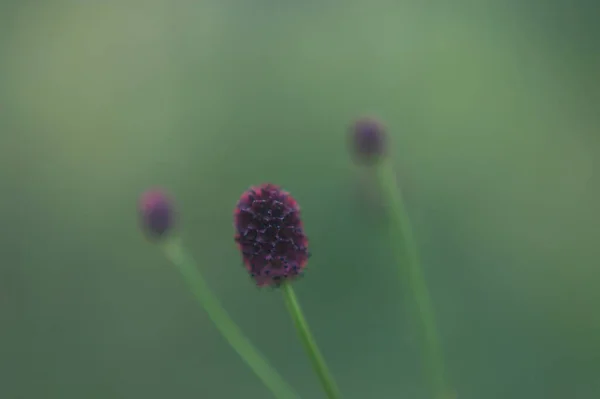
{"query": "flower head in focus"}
[(270, 236)]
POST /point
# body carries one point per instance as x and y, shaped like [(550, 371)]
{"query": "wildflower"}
[(156, 213), (270, 236), (368, 140)]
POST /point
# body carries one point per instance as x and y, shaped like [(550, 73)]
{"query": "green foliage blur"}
[(493, 109)]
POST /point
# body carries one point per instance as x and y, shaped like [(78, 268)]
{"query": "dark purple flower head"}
[(156, 212), (368, 140), (269, 235)]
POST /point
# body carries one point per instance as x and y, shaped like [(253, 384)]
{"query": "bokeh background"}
[(493, 108)]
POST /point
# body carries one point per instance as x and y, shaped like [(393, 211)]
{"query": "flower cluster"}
[(270, 236)]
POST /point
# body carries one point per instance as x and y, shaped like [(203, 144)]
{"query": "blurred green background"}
[(494, 113)]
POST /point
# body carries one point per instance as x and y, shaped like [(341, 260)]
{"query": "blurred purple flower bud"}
[(368, 141), (156, 213)]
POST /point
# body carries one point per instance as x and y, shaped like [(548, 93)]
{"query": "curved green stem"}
[(176, 253), (406, 253), (310, 345)]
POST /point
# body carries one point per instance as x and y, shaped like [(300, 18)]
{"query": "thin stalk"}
[(177, 254), (310, 345), (407, 256)]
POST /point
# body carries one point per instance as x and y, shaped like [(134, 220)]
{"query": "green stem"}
[(407, 256), (176, 253), (310, 345)]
